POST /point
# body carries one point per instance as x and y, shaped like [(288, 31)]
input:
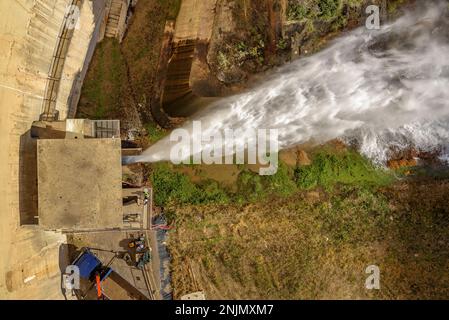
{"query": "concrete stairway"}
[(115, 17)]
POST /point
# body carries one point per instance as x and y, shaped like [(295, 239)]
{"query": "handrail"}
[(57, 65)]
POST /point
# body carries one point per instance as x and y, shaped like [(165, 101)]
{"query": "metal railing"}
[(49, 112)]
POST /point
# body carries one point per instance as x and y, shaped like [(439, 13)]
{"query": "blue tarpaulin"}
[(87, 263)]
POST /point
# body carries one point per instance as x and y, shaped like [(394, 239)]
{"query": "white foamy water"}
[(383, 91)]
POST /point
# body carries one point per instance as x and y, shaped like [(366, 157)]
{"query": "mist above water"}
[(381, 90)]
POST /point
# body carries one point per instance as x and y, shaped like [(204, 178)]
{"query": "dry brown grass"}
[(316, 245)]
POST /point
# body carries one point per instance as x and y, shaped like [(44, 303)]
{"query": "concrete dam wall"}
[(30, 31)]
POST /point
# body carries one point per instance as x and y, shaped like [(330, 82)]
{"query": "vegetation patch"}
[(329, 168), (174, 187), (349, 167), (329, 9), (101, 92), (252, 187), (313, 9), (300, 248), (154, 132), (122, 79), (247, 53)]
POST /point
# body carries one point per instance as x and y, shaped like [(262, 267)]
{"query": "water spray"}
[(379, 90)]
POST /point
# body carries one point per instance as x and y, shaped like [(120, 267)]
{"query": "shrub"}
[(154, 132), (301, 11), (322, 9), (329, 9), (223, 61), (252, 186), (282, 44), (171, 186), (249, 186), (173, 9), (281, 183), (210, 191)]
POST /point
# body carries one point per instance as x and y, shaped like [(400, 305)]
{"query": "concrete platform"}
[(105, 245), (79, 184)]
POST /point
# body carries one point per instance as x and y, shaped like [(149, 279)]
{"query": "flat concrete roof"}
[(79, 184)]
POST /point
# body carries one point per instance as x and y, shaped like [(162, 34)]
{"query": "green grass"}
[(283, 242), (392, 6), (329, 168), (171, 186), (354, 213), (101, 92), (253, 187), (293, 248), (282, 183), (316, 245), (210, 191), (154, 132), (175, 187)]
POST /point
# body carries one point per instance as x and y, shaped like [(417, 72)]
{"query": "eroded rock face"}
[(252, 36), (397, 164), (412, 158), (295, 157), (245, 39), (303, 158)]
